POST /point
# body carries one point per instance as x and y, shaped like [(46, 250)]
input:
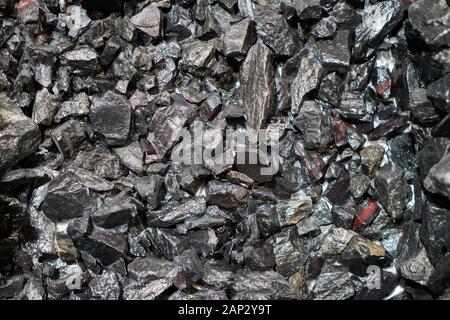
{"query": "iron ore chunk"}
[(313, 124), (438, 179), (107, 246), (258, 86), (19, 137), (105, 164), (239, 38), (412, 260), (68, 137), (197, 56), (268, 285), (44, 108), (307, 79), (429, 20), (333, 282), (335, 53), (149, 21), (361, 252), (132, 156), (439, 93), (111, 116), (377, 21), (225, 194), (167, 123), (151, 188), (174, 213), (68, 198), (277, 34), (391, 188), (81, 61)]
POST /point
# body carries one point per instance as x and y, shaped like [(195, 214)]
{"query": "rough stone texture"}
[(149, 20), (438, 179), (19, 137), (111, 116), (100, 198), (307, 79), (239, 38), (257, 78)]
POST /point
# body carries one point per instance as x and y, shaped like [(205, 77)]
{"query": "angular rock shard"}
[(258, 86)]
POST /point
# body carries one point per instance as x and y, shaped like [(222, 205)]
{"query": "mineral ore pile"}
[(95, 94)]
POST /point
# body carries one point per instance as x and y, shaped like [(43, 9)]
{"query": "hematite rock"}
[(360, 253), (432, 152), (213, 217), (146, 291), (191, 265), (259, 257), (81, 61), (76, 107), (371, 158), (333, 283), (412, 260), (389, 128), (339, 190), (210, 107), (307, 79), (442, 129), (68, 137), (334, 240), (391, 187), (105, 286), (203, 241), (430, 20), (439, 93), (239, 38), (151, 189), (334, 54), (258, 86), (174, 213), (439, 280), (438, 178), (314, 126), (277, 34), (150, 268), (111, 116), (345, 16), (178, 22), (107, 246), (402, 154), (325, 28), (268, 285), (105, 164), (225, 195), (167, 123), (116, 211), (67, 198), (377, 21), (44, 108), (19, 137), (149, 21), (434, 230), (343, 215), (354, 108), (331, 89), (289, 250), (14, 179), (306, 10), (166, 242), (132, 157), (197, 56)]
